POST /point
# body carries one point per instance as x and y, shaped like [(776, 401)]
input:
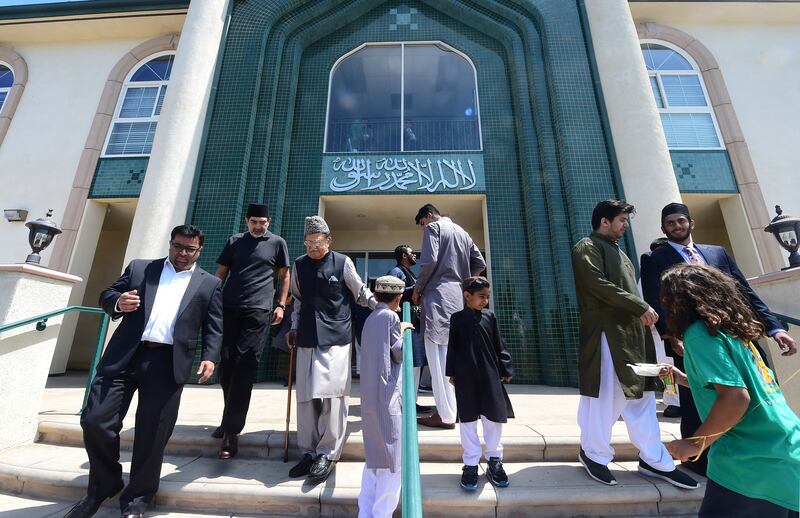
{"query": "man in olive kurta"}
[(614, 332)]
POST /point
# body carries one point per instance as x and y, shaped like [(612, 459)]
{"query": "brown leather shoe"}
[(230, 446), (435, 421)]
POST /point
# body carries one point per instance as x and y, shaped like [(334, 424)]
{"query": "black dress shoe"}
[(86, 507), (672, 411), (321, 468), (230, 446), (133, 515), (301, 468), (217, 433)]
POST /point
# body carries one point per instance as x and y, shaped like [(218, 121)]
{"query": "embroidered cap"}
[(389, 284), (316, 225)]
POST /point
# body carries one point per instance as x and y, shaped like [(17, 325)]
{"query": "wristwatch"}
[(280, 306)]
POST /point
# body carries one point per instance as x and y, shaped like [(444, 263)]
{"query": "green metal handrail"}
[(411, 488), (41, 325), (788, 320)]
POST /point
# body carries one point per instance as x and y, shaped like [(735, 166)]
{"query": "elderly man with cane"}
[(323, 284)]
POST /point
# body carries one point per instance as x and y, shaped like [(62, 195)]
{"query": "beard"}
[(680, 236), (412, 261), (257, 234)]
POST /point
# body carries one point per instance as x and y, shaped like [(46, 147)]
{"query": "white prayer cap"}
[(316, 225), (389, 284)]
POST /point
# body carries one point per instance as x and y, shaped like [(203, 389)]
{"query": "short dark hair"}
[(473, 284), (387, 297), (189, 231), (399, 251), (610, 209), (424, 211)]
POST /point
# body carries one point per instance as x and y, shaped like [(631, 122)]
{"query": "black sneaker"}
[(301, 468), (672, 411), (495, 473), (469, 478), (596, 470), (675, 477)]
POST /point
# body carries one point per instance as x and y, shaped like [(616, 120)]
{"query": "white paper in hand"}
[(646, 369)]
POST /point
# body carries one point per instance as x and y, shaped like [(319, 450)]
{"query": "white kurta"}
[(324, 372)]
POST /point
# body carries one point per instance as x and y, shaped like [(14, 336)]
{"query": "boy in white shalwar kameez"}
[(381, 361)]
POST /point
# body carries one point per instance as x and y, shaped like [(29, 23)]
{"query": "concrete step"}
[(521, 443), (244, 486)]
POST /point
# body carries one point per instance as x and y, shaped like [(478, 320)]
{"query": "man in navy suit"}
[(677, 224), (164, 305)]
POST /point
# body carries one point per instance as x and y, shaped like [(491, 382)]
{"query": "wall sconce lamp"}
[(15, 214)]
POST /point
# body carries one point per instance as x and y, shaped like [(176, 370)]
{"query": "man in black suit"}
[(677, 224), (164, 304)]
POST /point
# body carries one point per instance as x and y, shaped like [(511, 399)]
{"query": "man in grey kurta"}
[(381, 362), (614, 332), (448, 257), (323, 284)]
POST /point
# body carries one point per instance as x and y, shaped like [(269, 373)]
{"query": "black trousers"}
[(244, 334), (721, 502), (149, 372)]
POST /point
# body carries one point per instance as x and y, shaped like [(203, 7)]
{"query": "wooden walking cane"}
[(288, 407)]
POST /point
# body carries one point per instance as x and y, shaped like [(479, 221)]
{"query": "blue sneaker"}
[(495, 473), (469, 478)]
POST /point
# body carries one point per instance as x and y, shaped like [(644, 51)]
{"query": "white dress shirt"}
[(171, 288)]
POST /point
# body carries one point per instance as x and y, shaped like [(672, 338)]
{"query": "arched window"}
[(681, 98), (136, 115), (6, 82), (403, 97)]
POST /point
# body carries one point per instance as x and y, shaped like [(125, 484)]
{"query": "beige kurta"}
[(324, 372)]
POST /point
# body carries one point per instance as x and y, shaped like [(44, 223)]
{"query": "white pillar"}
[(645, 166), (25, 353), (167, 185)]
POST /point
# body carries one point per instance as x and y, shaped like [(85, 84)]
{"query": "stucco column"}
[(25, 353), (167, 185), (645, 166)]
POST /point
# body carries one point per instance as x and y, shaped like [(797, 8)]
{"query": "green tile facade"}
[(704, 171), (118, 177), (546, 160)]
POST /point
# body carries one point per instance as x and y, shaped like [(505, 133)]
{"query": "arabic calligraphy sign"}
[(409, 172)]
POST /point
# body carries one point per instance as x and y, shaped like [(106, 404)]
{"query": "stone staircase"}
[(540, 458)]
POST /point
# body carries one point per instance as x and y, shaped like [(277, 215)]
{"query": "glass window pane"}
[(689, 130), (364, 109), (138, 102), (2, 99), (6, 77), (160, 102), (656, 92), (158, 69), (441, 108), (683, 90), (658, 57), (131, 138)]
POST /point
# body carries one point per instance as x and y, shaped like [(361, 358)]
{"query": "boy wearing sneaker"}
[(477, 364), (614, 332)]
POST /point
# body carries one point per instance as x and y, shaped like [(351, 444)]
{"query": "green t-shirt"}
[(760, 456)]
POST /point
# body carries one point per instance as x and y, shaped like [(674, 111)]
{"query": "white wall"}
[(67, 73), (757, 46)]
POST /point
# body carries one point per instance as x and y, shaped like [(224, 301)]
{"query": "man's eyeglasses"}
[(316, 243), (191, 250)]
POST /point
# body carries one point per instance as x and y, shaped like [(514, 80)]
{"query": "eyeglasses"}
[(316, 243), (191, 250)]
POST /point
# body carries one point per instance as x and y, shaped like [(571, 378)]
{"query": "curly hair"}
[(693, 291)]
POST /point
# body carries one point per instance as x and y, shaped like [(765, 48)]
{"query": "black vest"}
[(325, 301)]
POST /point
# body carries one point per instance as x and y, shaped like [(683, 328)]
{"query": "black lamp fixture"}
[(786, 230), (42, 233)]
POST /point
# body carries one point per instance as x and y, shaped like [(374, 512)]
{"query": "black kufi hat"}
[(674, 208), (257, 210)]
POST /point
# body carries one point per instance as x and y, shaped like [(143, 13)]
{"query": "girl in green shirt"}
[(754, 460)]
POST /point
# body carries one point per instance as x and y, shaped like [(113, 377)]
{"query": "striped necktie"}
[(694, 257)]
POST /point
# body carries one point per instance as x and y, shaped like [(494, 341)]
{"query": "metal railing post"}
[(98, 352), (411, 487)]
